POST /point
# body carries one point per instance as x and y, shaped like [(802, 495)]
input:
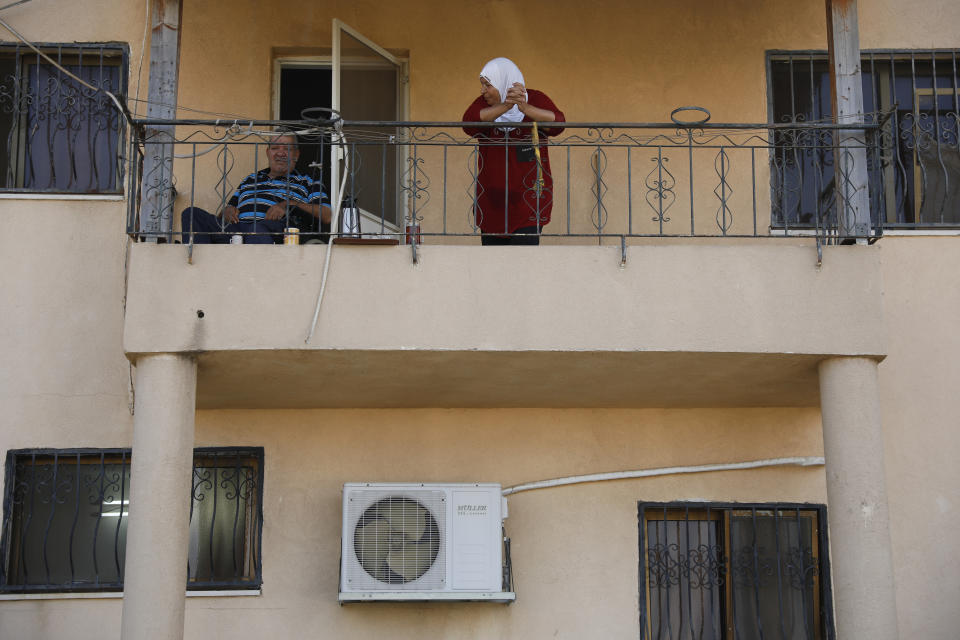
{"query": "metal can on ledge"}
[(236, 239), (291, 235), (413, 234)]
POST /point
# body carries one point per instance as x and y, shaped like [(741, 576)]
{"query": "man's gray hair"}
[(286, 132)]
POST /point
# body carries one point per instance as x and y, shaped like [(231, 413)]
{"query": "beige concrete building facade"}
[(831, 366)]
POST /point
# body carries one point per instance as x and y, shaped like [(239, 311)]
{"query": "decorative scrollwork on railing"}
[(598, 165), (663, 565), (599, 135), (701, 567), (537, 193), (723, 191), (203, 481), (705, 567), (224, 187), (238, 483), (848, 193), (415, 184), (43, 483), (660, 183), (755, 568), (157, 185), (21, 484), (423, 135), (950, 129), (802, 567), (475, 190)]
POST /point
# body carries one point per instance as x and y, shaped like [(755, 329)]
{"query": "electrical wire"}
[(809, 461), (179, 107), (13, 4), (197, 154), (143, 46)]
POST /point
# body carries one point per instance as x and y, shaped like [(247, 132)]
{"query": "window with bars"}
[(65, 516), (748, 571), (914, 170), (60, 135)]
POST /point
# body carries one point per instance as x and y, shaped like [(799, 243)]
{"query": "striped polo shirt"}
[(258, 192)]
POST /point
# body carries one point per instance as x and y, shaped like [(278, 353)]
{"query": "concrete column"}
[(852, 181), (156, 205), (860, 553), (158, 532)]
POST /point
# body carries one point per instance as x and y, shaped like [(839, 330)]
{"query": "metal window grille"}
[(59, 135), (914, 174), (65, 519), (713, 571)]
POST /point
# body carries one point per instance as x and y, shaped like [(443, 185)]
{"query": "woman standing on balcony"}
[(514, 184)]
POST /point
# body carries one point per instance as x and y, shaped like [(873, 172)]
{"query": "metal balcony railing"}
[(421, 182)]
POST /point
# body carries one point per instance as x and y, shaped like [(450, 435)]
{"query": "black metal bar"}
[(642, 568), (117, 555), (629, 193), (716, 581), (213, 522), (670, 126), (568, 190), (76, 517), (690, 169), (776, 537), (444, 214), (96, 528), (666, 545)]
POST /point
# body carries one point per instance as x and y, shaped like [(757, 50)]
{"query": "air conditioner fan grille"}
[(396, 540)]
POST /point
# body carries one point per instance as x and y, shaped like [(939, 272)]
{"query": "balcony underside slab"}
[(406, 379)]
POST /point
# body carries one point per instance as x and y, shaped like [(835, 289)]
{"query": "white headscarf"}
[(502, 73)]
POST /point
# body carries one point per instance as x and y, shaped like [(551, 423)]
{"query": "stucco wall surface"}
[(64, 380), (919, 401), (618, 61), (574, 548)]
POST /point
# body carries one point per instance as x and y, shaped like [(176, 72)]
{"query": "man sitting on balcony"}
[(264, 204)]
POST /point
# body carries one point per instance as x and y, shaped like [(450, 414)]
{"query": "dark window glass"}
[(60, 135), (914, 172), (733, 571), (66, 513)]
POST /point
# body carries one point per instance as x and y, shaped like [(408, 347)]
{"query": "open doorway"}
[(364, 83)]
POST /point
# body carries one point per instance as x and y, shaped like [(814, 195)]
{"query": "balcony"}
[(605, 182), (669, 275)]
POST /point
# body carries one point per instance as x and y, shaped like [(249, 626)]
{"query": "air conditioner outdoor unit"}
[(409, 541)]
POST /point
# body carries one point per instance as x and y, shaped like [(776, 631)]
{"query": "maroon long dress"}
[(507, 195)]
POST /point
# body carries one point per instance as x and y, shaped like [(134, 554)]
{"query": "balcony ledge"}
[(723, 323)]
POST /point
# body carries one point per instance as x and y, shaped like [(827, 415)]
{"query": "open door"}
[(367, 84)]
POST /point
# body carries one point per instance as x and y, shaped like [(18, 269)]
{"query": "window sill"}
[(803, 233), (108, 595), (921, 232), (111, 197)]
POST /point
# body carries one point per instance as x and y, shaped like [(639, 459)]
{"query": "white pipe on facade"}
[(808, 461), (334, 221)]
